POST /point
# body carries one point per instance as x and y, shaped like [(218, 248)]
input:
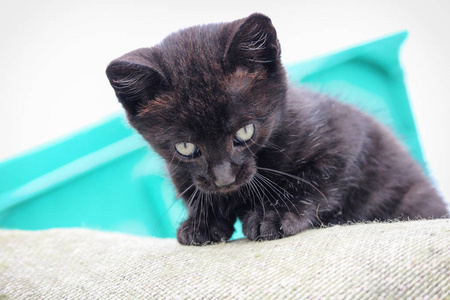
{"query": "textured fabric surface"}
[(364, 261)]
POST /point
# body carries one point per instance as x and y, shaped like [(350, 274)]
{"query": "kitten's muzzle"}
[(224, 175)]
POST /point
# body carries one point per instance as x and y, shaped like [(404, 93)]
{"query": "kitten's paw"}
[(191, 232), (271, 225)]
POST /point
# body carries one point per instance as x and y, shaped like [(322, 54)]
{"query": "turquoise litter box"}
[(107, 178)]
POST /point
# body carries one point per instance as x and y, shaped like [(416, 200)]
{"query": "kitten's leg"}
[(203, 231), (421, 201), (271, 224)]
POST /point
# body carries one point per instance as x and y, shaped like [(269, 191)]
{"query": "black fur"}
[(311, 161)]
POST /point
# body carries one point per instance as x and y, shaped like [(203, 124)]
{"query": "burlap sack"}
[(403, 260)]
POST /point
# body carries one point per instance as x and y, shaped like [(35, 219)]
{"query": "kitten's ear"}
[(254, 42), (135, 79)]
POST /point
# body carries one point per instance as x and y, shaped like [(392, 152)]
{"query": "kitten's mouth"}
[(228, 188), (212, 188)]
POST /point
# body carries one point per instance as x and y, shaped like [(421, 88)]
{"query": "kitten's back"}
[(380, 180)]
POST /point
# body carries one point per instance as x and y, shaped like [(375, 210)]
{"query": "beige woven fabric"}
[(405, 260)]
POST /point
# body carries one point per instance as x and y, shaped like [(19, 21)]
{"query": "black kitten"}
[(240, 142)]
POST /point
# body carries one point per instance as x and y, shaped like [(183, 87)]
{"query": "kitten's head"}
[(207, 99)]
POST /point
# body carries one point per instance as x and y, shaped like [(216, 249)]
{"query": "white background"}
[(53, 55)]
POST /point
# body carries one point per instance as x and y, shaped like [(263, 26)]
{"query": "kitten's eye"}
[(244, 134), (187, 149)]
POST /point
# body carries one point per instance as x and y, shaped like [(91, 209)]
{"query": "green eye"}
[(187, 149), (244, 134)]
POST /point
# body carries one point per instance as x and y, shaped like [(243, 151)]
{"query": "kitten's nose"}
[(224, 174)]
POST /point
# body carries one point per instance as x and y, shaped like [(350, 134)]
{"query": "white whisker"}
[(296, 178)]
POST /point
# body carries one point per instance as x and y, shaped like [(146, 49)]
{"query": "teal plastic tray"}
[(107, 178)]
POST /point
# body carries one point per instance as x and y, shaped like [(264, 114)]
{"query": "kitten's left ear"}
[(253, 43)]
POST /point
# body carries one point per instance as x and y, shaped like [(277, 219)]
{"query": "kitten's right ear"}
[(135, 79), (254, 42)]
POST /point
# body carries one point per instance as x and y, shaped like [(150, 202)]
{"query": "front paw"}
[(193, 232), (271, 225)]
